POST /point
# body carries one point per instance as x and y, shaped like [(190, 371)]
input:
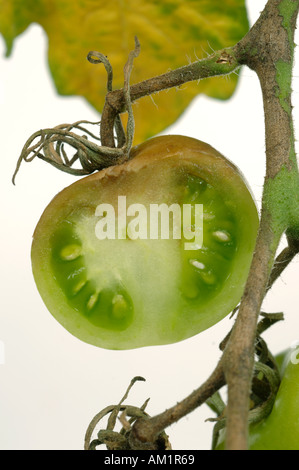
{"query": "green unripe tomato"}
[(280, 430), (140, 289)]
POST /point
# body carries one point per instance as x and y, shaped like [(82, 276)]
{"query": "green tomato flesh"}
[(280, 430), (126, 293)]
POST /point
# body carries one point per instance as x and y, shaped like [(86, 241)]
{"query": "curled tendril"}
[(127, 416), (127, 73), (108, 435), (50, 144), (95, 57)]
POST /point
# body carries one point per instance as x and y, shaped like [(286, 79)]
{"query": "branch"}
[(146, 431), (282, 261), (271, 47), (238, 356), (222, 62)]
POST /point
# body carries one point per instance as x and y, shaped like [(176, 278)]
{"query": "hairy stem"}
[(146, 431), (220, 63), (271, 39), (281, 262), (238, 356)]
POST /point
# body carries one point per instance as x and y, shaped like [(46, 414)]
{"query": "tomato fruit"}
[(128, 292), (280, 430)]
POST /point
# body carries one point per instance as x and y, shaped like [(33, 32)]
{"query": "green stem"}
[(238, 356), (268, 49), (222, 62)]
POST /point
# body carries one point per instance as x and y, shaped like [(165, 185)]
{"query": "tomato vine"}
[(268, 49)]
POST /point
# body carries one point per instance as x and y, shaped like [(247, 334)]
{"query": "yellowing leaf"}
[(171, 33)]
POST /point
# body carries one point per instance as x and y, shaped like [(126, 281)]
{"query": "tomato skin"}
[(153, 309), (280, 430)]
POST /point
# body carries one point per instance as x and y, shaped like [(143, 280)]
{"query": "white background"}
[(52, 384)]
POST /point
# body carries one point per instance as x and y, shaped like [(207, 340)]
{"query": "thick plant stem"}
[(268, 49), (238, 358)]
